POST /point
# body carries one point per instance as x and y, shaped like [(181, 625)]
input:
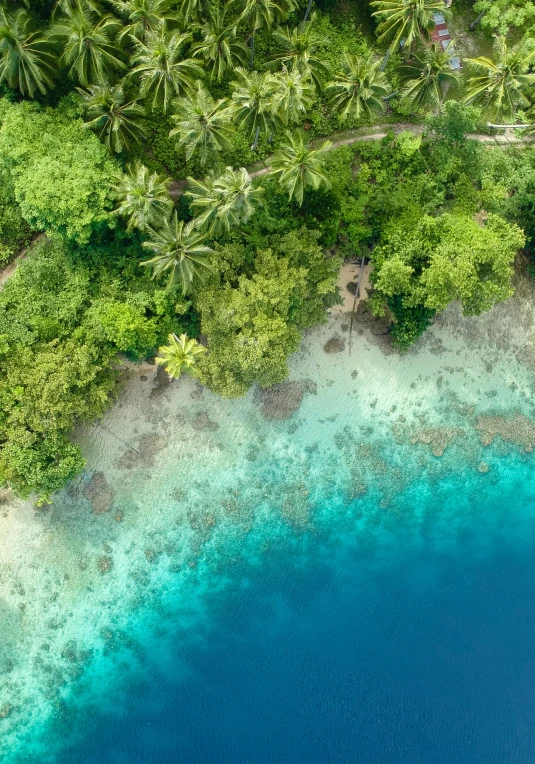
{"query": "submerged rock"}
[(100, 493), (104, 564), (5, 710), (202, 421), (483, 467), (439, 438), (162, 380), (282, 400), (334, 345), (516, 429), (143, 456)]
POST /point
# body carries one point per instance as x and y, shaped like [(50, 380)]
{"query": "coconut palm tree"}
[(255, 98), (358, 88), (143, 16), (220, 47), (113, 116), (405, 20), (179, 251), (223, 202), (26, 60), (260, 14), (293, 97), (193, 11), (295, 165), (181, 355), (298, 49), (501, 84), (429, 73), (162, 71), (90, 49), (203, 125), (143, 197)]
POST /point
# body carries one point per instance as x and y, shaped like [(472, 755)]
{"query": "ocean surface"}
[(342, 572)]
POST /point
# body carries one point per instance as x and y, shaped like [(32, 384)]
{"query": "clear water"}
[(354, 583)]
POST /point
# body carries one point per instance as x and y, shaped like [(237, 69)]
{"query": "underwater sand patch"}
[(439, 438), (100, 493), (282, 400), (516, 429)]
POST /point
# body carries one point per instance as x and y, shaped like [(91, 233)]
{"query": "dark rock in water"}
[(100, 493), (283, 400), (5, 710), (161, 382), (334, 345), (147, 448), (104, 564), (352, 287), (119, 516), (202, 421)]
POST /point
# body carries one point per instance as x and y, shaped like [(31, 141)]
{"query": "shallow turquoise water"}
[(322, 588)]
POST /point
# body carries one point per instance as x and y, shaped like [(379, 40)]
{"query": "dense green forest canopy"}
[(178, 171)]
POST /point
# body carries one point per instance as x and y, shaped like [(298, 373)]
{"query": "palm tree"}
[(298, 49), (293, 96), (193, 10), (502, 84), (255, 99), (295, 165), (405, 20), (220, 48), (180, 355), (179, 251), (26, 62), (203, 125), (358, 88), (223, 202), (143, 197), (89, 46), (143, 16), (114, 117), (430, 73), (260, 14), (164, 74)]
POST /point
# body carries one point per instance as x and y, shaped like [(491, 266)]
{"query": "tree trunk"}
[(251, 59), (476, 21), (309, 6), (256, 136)]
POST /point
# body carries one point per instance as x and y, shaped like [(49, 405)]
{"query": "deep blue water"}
[(427, 660)]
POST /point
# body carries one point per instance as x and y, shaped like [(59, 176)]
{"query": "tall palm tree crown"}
[(298, 49), (203, 125), (224, 202), (294, 95), (296, 166), (179, 251), (143, 16), (220, 47), (254, 95), (501, 84), (114, 117), (26, 61), (358, 88), (143, 197), (181, 355), (429, 73), (405, 20)]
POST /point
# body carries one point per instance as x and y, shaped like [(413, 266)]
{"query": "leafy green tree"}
[(430, 73), (255, 96), (203, 125), (501, 16), (260, 14), (293, 97), (163, 72), (298, 49), (143, 16), (358, 88), (124, 325), (224, 202), (27, 62), (179, 251), (181, 355), (502, 84), (60, 172), (116, 120), (405, 20), (220, 48), (89, 45), (296, 166), (143, 197)]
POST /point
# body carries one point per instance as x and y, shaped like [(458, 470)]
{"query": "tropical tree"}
[(181, 355), (179, 251), (143, 16), (224, 202), (193, 10), (90, 50), (26, 60), (163, 73), (405, 20), (294, 95), (143, 197), (255, 97), (260, 14), (429, 74), (358, 88), (295, 165), (298, 50), (113, 116), (501, 84), (220, 48), (203, 125)]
